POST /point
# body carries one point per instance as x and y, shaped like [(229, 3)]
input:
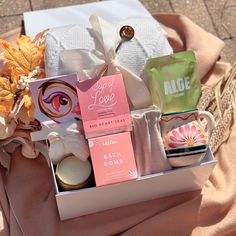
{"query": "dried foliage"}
[(21, 62), (220, 101)]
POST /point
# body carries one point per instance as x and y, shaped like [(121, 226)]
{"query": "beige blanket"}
[(28, 205)]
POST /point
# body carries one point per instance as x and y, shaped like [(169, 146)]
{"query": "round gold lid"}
[(72, 173)]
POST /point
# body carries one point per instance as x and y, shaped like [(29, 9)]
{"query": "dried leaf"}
[(234, 102), (40, 38), (218, 98), (4, 67), (5, 158), (26, 58), (29, 105), (6, 95), (22, 116)]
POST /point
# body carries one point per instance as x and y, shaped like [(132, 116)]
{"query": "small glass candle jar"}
[(72, 173)]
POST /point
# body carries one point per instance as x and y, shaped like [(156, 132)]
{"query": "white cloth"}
[(148, 147), (86, 51), (64, 139)]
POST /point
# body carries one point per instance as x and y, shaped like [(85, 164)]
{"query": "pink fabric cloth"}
[(28, 205)]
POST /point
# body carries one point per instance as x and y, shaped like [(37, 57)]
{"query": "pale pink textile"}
[(27, 198)]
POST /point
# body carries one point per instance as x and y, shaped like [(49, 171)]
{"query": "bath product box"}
[(95, 199), (104, 106), (113, 158)]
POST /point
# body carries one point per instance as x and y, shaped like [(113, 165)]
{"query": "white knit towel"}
[(78, 49)]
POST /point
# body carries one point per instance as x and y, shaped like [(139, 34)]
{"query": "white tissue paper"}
[(112, 11)]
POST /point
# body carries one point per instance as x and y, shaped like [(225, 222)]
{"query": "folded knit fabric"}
[(88, 51)]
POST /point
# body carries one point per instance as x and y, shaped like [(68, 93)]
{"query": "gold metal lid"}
[(72, 173)]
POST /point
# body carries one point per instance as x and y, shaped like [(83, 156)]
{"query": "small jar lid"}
[(72, 173)]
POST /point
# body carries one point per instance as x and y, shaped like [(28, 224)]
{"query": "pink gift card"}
[(104, 106), (113, 158), (55, 98)]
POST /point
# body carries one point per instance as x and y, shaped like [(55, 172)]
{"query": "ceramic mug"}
[(185, 140), (186, 156), (184, 130)]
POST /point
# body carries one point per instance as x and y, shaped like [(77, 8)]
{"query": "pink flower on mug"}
[(187, 135)]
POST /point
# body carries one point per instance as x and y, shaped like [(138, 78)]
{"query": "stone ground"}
[(215, 16)]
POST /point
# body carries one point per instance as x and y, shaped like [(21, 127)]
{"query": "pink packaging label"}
[(55, 98), (104, 107), (113, 158)]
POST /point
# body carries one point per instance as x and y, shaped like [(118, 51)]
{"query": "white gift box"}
[(94, 199), (69, 15)]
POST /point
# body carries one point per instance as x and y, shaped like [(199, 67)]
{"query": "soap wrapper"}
[(55, 98)]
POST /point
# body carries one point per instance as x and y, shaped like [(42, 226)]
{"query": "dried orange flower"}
[(24, 60), (25, 64), (7, 92)]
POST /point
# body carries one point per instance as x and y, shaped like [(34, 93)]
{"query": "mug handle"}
[(210, 121)]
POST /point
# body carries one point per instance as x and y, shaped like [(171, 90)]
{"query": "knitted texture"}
[(149, 41)]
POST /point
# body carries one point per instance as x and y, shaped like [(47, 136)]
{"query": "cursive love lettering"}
[(103, 95)]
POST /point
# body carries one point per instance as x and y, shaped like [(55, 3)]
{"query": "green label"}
[(174, 82)]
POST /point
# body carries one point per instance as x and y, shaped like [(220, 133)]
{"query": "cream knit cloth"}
[(75, 48)]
